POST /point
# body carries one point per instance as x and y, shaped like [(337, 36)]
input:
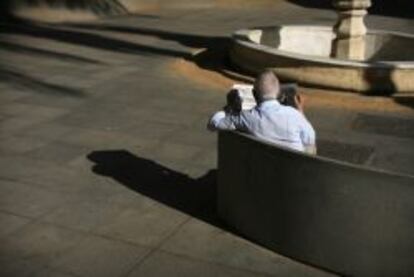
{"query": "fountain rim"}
[(243, 37)]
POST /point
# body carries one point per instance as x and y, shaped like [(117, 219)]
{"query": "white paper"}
[(245, 93)]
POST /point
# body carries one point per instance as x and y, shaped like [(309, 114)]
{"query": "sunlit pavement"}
[(106, 166)]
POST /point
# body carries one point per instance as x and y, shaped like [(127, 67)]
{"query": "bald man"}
[(269, 120)]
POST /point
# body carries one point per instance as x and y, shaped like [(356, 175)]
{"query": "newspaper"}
[(245, 93), (246, 99)]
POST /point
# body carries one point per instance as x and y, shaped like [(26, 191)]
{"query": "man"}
[(269, 120)]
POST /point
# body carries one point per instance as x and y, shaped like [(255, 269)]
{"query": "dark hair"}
[(287, 94), (234, 101)]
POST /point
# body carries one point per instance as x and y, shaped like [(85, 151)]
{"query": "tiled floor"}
[(106, 168)]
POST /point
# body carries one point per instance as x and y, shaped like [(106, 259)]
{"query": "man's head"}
[(266, 86)]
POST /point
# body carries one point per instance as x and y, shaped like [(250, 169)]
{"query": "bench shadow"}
[(193, 196)]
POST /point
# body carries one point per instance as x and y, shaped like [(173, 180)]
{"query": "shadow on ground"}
[(396, 8), (213, 54), (196, 197), (407, 100), (29, 50), (98, 7), (212, 57), (24, 81)]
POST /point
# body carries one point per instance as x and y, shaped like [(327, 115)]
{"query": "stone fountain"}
[(346, 56)]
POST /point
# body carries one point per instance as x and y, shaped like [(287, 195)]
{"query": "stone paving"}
[(106, 166)]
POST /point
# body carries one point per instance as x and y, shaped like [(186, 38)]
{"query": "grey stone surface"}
[(68, 92), (95, 139), (10, 223), (353, 153), (330, 214), (382, 125), (44, 176), (195, 136), (25, 200), (175, 152), (57, 152), (96, 209), (51, 272), (217, 246), (96, 256), (147, 226), (39, 243), (11, 267), (165, 264), (20, 144)]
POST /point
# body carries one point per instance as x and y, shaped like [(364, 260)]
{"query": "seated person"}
[(269, 120)]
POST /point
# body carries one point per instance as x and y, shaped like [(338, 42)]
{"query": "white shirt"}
[(270, 121)]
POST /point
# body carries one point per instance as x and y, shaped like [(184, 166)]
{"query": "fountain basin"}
[(301, 53)]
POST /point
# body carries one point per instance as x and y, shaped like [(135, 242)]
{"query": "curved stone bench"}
[(345, 218)]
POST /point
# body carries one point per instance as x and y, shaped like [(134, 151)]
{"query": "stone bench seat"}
[(346, 218)]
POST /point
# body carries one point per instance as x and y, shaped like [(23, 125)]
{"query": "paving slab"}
[(218, 246), (99, 208), (39, 243), (147, 226), (166, 264), (51, 272), (106, 166), (26, 200), (10, 223), (18, 267), (15, 144), (97, 256)]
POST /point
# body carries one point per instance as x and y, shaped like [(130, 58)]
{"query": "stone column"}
[(350, 29)]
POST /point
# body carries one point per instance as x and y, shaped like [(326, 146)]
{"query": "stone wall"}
[(348, 219)]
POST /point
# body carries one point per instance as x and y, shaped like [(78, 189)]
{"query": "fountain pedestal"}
[(350, 29)]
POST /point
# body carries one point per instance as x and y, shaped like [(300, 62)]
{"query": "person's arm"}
[(308, 137), (226, 120)]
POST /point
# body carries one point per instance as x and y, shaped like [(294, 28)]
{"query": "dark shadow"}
[(17, 48), (213, 58), (98, 7), (6, 8), (395, 8), (195, 41), (380, 80), (86, 39), (405, 100), (27, 82), (196, 197)]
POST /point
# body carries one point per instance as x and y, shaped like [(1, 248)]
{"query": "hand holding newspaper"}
[(241, 96)]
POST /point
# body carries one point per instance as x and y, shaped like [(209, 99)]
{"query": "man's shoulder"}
[(291, 111), (298, 116)]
